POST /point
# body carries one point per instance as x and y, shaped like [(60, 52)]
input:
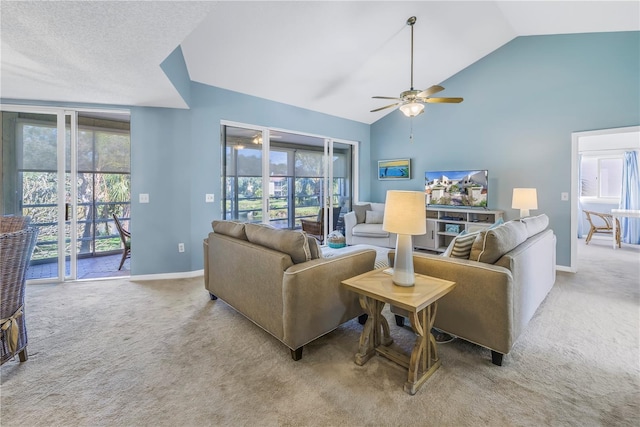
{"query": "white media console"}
[(443, 224)]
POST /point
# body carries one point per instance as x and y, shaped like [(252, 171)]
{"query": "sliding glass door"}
[(36, 181), (291, 177), (42, 152)]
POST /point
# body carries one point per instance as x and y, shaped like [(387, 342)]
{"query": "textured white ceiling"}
[(99, 52), (330, 57)]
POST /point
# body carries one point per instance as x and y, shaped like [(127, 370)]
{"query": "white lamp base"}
[(403, 274), (524, 213)]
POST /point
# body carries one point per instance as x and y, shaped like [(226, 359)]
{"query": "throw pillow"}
[(361, 212), (490, 245), (462, 245), (374, 217), (314, 249), (535, 224), (229, 228), (293, 243), (447, 252)]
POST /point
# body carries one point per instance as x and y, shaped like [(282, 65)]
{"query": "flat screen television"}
[(463, 188)]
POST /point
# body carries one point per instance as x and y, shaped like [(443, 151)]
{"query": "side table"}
[(377, 288)]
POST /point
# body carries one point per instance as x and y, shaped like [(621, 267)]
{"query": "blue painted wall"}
[(521, 104)]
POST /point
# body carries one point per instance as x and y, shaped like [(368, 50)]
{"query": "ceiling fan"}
[(412, 101)]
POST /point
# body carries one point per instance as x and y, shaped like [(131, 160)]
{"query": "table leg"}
[(615, 241), (424, 357), (374, 332)]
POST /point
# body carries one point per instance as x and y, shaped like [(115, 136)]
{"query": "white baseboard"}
[(165, 276)]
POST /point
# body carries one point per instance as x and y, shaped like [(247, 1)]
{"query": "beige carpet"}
[(120, 353)]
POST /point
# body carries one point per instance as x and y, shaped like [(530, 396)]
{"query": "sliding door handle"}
[(67, 212)]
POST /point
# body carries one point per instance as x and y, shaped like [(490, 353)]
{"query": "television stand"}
[(444, 223)]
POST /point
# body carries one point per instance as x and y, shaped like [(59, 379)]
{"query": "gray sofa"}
[(279, 280), (509, 271), (363, 226)]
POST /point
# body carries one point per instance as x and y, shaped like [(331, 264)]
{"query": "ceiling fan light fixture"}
[(412, 109), (412, 101)]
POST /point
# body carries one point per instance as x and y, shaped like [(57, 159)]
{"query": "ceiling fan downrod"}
[(410, 22)]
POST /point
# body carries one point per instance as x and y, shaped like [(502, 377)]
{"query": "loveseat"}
[(363, 225), (279, 280), (507, 273)]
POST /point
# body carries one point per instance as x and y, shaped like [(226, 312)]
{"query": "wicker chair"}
[(125, 237), (602, 223), (9, 224), (16, 249)]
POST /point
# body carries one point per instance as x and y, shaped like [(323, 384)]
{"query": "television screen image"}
[(465, 188)]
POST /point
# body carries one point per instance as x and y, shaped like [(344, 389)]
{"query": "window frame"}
[(599, 157)]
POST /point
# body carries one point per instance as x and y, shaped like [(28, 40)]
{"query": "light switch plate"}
[(564, 196), (144, 198), (209, 198)]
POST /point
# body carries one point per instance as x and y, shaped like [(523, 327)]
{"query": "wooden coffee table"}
[(377, 288)]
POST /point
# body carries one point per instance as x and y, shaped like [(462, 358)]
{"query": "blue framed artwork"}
[(394, 169)]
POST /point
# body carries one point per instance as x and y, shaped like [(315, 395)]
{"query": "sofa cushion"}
[(361, 212), (461, 245), (490, 245), (293, 243), (374, 217), (229, 228), (535, 224), (369, 230)]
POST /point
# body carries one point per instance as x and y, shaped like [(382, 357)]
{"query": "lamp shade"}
[(412, 109), (524, 199), (404, 212)]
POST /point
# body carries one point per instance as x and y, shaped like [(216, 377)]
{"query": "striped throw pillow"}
[(462, 245)]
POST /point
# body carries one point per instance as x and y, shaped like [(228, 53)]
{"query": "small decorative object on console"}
[(336, 240), (453, 228)]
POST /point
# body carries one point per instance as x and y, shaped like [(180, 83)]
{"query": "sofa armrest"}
[(533, 265), (314, 299), (350, 221), (480, 308)]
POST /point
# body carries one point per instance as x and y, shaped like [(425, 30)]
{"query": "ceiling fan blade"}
[(386, 97), (386, 106), (433, 89), (443, 100)]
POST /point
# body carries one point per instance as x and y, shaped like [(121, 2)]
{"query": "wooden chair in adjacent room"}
[(125, 236), (315, 227), (16, 249), (602, 223)]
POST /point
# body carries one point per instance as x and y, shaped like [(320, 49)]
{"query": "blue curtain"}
[(630, 198), (580, 208)]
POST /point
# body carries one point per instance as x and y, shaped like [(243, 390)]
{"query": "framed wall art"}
[(394, 169)]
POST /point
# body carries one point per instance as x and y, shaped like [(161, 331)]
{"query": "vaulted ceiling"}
[(330, 57)]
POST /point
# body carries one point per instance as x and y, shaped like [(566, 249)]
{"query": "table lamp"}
[(524, 199), (405, 215)]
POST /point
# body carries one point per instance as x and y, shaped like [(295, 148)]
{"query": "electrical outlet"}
[(209, 198), (180, 247), (144, 198)]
